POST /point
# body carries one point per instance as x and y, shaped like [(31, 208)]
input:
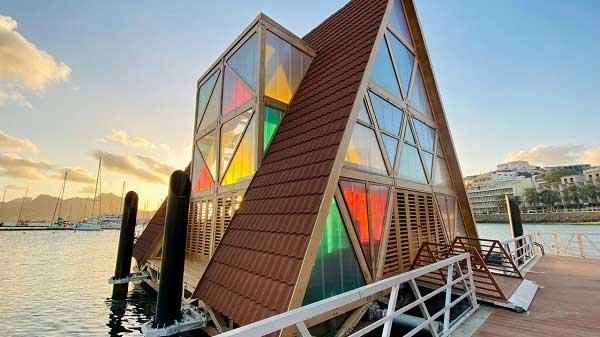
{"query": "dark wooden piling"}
[(125, 250)]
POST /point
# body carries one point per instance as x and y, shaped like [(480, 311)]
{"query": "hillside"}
[(41, 208)]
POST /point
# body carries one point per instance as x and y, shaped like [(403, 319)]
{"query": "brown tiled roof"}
[(152, 232), (254, 270)]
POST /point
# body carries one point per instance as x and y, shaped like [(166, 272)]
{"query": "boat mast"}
[(59, 201), (96, 188), (100, 188), (122, 195), (22, 204), (3, 199)]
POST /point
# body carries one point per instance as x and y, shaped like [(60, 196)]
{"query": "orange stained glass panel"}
[(378, 199), (201, 180), (355, 195), (235, 92), (363, 150), (243, 163)]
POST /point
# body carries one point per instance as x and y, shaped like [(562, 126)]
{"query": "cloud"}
[(156, 166), (76, 175), (121, 137), (87, 189), (23, 64), (13, 144), (15, 187), (14, 166), (128, 165), (13, 96), (561, 154)]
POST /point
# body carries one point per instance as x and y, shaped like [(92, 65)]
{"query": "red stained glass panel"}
[(378, 199), (235, 93), (355, 195), (201, 179)]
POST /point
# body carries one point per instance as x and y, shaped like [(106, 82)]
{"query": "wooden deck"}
[(567, 305)]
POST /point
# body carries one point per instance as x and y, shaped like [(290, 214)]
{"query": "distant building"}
[(517, 165), (575, 167), (592, 175), (589, 175), (484, 198)]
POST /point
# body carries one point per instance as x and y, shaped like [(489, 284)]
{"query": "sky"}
[(116, 79)]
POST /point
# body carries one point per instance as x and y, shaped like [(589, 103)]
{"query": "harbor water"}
[(54, 282)]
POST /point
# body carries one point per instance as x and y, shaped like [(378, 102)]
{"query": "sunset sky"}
[(518, 79)]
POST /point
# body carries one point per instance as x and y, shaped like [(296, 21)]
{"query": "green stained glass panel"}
[(404, 61), (272, 119), (336, 269), (398, 21), (426, 135), (410, 165), (418, 99), (391, 144), (383, 71), (389, 117), (245, 61)]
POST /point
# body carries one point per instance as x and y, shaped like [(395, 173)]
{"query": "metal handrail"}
[(522, 249), (454, 270), (570, 244)]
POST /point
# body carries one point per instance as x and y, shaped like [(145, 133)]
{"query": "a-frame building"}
[(320, 164)]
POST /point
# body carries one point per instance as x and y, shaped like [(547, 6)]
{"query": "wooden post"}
[(125, 250)]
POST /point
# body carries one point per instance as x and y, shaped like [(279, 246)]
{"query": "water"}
[(54, 283)]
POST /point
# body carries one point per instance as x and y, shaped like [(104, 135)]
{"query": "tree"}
[(572, 194), (501, 203), (589, 192), (554, 175), (532, 196), (549, 198)]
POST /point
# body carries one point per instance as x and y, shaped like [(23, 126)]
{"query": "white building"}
[(484, 198)]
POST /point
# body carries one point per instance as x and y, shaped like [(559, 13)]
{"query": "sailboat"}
[(59, 222), (93, 224), (113, 221)]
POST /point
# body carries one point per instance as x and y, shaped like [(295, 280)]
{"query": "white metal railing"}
[(521, 249), (570, 244), (459, 277)]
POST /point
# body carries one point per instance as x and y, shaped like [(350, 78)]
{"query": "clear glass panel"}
[(398, 20), (204, 94), (201, 180), (243, 163), (389, 117), (418, 98), (451, 213), (245, 60), (426, 135), (363, 150), (208, 149), (443, 206), (441, 176), (285, 67), (336, 269), (409, 136), (390, 144), (272, 119), (363, 115), (428, 159), (410, 165), (378, 199), (212, 109), (231, 133), (404, 61), (355, 195), (460, 225), (383, 71), (440, 152), (235, 92)]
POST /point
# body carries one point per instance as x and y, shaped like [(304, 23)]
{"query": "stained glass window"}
[(204, 93), (363, 115), (336, 269), (285, 67), (428, 159), (418, 98), (201, 180), (389, 117), (235, 92), (245, 60), (426, 135), (355, 195), (441, 176), (231, 134), (272, 119), (243, 163), (209, 119), (378, 199), (410, 165), (363, 150), (408, 134), (208, 148), (404, 61), (398, 21), (383, 71), (390, 144)]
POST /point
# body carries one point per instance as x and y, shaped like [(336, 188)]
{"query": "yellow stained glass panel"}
[(243, 163)]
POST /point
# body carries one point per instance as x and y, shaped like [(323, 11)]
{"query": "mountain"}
[(42, 207)]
